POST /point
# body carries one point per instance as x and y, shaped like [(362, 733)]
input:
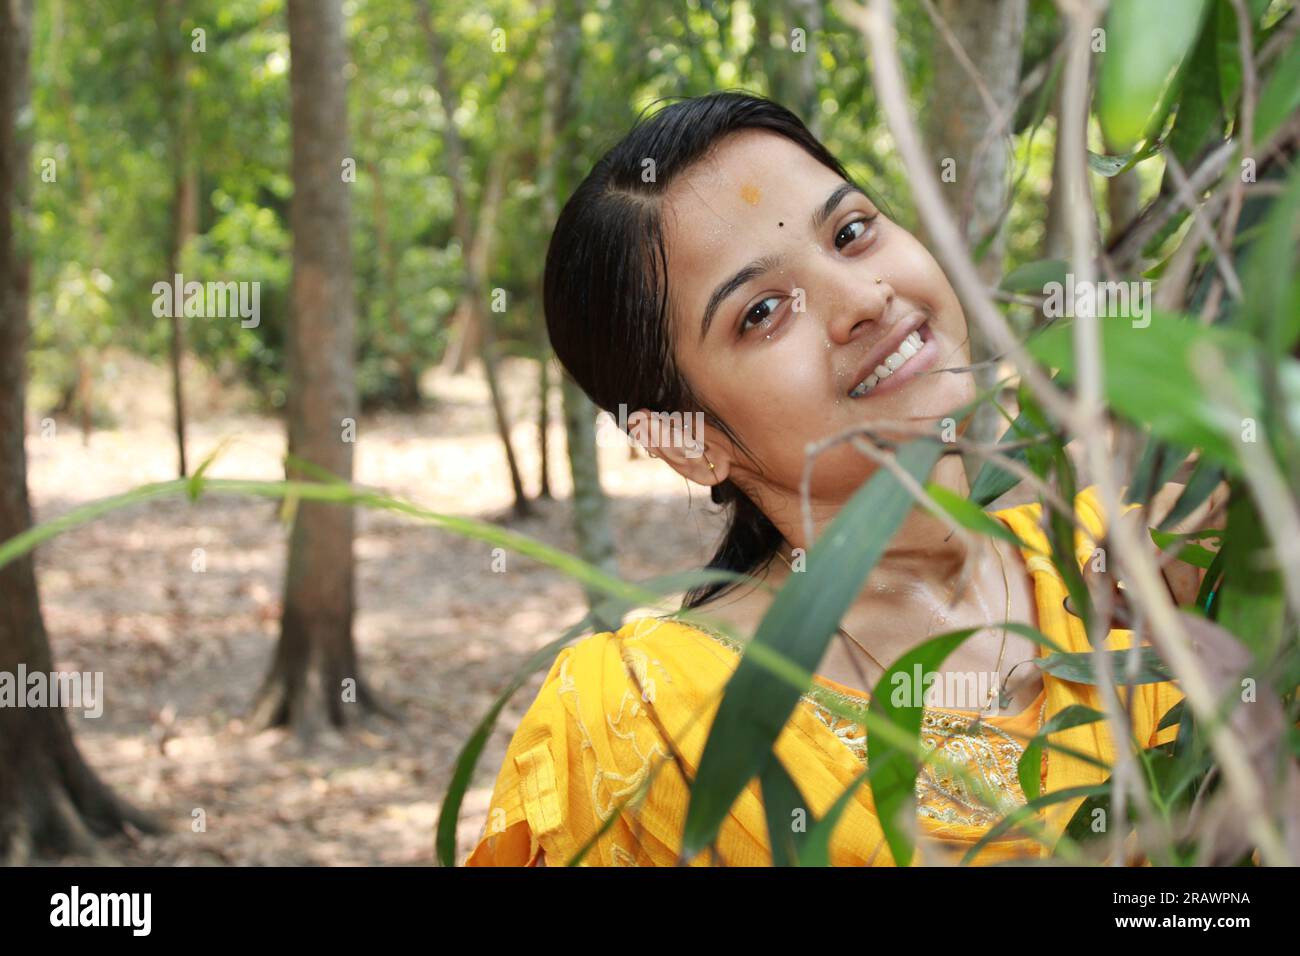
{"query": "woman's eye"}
[(757, 313), (848, 231)]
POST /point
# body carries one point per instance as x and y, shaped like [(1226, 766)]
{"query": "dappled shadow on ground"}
[(178, 604)]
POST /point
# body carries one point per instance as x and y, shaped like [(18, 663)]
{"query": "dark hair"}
[(606, 285)]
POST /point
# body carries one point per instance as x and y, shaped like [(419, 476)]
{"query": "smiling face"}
[(788, 290)]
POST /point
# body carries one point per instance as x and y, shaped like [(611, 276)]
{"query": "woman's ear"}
[(678, 438)]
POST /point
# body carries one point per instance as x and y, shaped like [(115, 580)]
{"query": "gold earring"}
[(710, 464), (878, 280)]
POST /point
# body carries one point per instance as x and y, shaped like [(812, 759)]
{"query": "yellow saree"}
[(588, 741)]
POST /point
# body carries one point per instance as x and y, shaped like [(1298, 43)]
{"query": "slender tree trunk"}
[(51, 802), (315, 671), (806, 15), (408, 390), (479, 251), (1123, 200), (1056, 239), (544, 419), (590, 506), (476, 327), (184, 199), (767, 64), (556, 108), (87, 358), (465, 331), (968, 141)]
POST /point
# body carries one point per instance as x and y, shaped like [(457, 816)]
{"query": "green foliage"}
[(110, 116)]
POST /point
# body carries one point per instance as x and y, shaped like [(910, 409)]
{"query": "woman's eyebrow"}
[(770, 262)]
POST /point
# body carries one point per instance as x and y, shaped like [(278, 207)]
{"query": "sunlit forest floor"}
[(439, 633)]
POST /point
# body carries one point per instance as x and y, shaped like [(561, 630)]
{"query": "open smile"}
[(915, 354)]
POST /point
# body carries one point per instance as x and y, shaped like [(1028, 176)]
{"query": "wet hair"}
[(606, 286)]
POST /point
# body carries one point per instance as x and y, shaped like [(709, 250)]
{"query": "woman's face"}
[(789, 289)]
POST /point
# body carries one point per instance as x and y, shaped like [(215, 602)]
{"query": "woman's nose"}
[(854, 306)]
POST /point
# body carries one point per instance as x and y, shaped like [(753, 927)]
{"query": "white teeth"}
[(908, 348)]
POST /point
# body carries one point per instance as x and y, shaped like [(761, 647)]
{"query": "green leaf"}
[(1032, 278), (816, 850), (1280, 95), (1029, 811), (992, 481), (1149, 377), (1272, 310), (1200, 109), (1109, 165), (195, 487), (970, 515), (1193, 554), (782, 801), (893, 786), (1078, 667), (1146, 44), (1251, 604)]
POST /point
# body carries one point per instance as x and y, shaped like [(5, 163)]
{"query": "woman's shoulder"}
[(614, 707), (613, 673), (651, 653), (1029, 523)]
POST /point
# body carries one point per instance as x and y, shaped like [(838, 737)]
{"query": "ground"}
[(439, 633)]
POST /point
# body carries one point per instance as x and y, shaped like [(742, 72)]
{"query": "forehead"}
[(748, 174), (751, 195)]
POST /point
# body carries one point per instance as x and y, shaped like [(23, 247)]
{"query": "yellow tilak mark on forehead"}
[(750, 193)]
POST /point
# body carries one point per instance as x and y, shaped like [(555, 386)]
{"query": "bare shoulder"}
[(742, 608), (1205, 515), (1184, 579)]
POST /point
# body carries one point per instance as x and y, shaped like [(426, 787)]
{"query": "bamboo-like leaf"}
[(1149, 378), (969, 515), (893, 786), (782, 800), (1078, 667)]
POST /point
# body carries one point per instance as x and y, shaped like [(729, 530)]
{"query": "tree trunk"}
[(1056, 239), (184, 218), (590, 507), (408, 374), (466, 341), (315, 671), (965, 131), (556, 107), (479, 253), (476, 327), (806, 15), (51, 802), (87, 357), (544, 420), (1123, 200)]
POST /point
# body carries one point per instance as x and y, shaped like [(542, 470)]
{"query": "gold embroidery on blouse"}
[(990, 755), (623, 858), (617, 784)]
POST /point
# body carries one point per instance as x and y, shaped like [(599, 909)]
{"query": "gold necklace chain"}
[(1006, 619)]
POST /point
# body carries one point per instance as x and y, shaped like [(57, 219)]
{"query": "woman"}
[(720, 260)]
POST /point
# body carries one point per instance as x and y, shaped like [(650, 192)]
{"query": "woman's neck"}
[(923, 551)]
